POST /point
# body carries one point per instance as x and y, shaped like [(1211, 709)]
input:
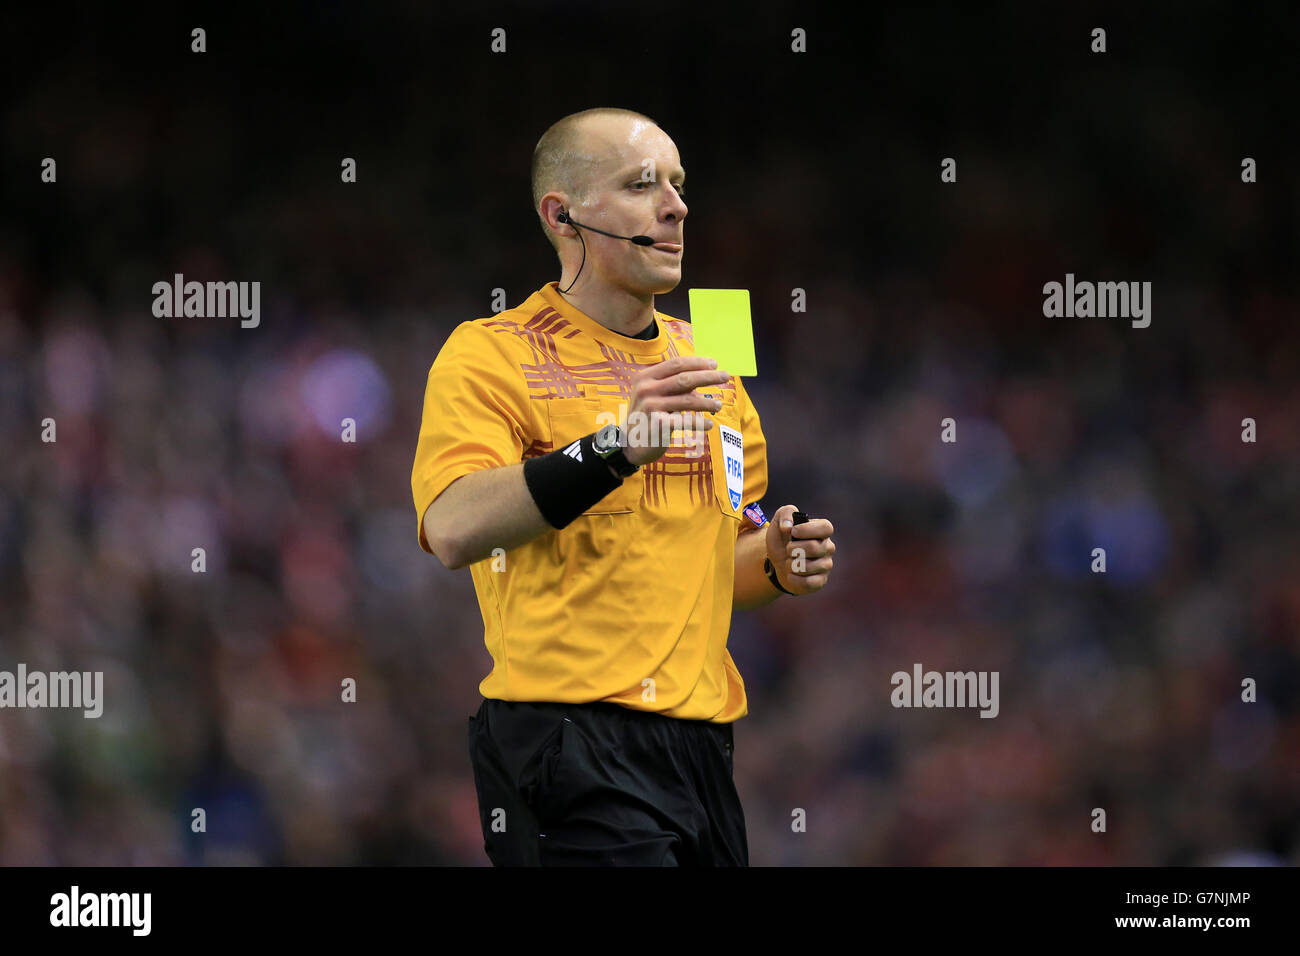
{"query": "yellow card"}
[(723, 329)]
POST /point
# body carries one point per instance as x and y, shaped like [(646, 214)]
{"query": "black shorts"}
[(599, 784)]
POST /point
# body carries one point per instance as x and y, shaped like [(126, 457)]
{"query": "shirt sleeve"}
[(475, 416), (755, 456)]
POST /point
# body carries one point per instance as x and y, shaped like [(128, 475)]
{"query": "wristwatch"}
[(608, 443)]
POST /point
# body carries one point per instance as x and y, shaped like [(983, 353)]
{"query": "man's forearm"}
[(752, 588), (482, 511)]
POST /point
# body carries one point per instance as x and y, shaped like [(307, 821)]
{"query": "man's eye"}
[(681, 190)]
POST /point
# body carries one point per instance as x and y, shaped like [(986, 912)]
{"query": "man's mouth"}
[(673, 247)]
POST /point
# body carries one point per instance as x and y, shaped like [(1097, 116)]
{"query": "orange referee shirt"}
[(631, 602)]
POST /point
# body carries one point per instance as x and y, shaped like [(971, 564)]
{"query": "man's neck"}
[(616, 309)]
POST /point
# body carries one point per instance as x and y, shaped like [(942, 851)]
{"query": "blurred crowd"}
[(1119, 690)]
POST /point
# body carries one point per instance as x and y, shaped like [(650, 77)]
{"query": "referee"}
[(601, 482)]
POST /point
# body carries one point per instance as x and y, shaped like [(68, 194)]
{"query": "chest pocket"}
[(572, 418), (728, 452)]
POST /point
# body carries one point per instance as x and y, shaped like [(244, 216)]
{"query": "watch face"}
[(606, 439)]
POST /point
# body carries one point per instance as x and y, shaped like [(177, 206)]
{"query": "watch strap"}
[(618, 460)]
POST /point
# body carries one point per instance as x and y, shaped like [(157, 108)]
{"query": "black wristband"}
[(568, 481), (771, 574)]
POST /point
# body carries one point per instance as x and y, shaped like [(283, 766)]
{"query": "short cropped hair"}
[(561, 164)]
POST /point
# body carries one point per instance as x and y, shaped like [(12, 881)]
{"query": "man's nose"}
[(676, 207)]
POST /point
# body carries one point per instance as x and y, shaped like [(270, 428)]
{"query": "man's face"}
[(635, 189)]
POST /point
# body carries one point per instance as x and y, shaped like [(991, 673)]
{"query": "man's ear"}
[(552, 205)]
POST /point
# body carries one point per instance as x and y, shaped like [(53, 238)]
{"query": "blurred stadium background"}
[(818, 172)]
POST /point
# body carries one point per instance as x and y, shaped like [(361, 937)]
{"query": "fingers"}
[(687, 422), (684, 383), (811, 541), (784, 517), (683, 374), (664, 394), (812, 578), (656, 430), (680, 363), (686, 402), (812, 538), (813, 568), (816, 548), (814, 528), (808, 585)]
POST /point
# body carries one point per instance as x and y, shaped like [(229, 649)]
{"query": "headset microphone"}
[(564, 217), (639, 240)]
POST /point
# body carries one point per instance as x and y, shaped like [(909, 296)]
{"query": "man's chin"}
[(661, 285), (653, 283)]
